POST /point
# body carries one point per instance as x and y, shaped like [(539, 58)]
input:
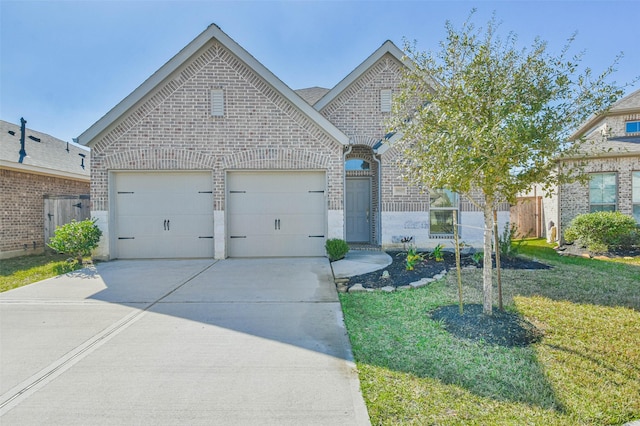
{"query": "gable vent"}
[(385, 100), (217, 103)]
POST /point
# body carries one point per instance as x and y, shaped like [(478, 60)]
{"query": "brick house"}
[(42, 166), (612, 161), (214, 156)]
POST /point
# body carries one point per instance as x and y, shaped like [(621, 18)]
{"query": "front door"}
[(358, 208)]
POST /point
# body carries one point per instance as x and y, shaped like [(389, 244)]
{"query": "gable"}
[(198, 55)]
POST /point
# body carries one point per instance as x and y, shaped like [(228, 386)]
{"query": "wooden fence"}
[(526, 214), (61, 209)]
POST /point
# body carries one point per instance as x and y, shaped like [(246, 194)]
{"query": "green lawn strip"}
[(584, 371), (24, 270)]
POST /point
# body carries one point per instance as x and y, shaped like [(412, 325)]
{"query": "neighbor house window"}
[(635, 181), (632, 127), (385, 100), (603, 190), (443, 205)]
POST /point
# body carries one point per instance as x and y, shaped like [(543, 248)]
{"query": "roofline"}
[(44, 171), (212, 32), (387, 47), (592, 122), (596, 155)]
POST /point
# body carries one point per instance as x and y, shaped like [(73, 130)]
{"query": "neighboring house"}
[(33, 167), (214, 156), (612, 156)]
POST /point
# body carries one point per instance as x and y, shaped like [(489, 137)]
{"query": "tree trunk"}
[(496, 236), (487, 273)]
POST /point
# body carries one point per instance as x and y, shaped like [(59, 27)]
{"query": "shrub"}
[(602, 231), (76, 238), (507, 244), (336, 248)]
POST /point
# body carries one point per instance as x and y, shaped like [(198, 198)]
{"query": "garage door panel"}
[(276, 213), (163, 214), (277, 182), (279, 246)]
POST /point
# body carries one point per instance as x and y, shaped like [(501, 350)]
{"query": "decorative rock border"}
[(342, 285)]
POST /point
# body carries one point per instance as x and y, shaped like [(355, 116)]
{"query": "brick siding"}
[(22, 221), (172, 129), (574, 198)]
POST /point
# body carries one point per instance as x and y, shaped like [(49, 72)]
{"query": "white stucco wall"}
[(396, 225)]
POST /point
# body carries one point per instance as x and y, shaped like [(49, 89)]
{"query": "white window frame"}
[(595, 207), (435, 209), (637, 125)]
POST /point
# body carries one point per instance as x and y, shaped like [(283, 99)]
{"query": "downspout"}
[(379, 215), (344, 190)]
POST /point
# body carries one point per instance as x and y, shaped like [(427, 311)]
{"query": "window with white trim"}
[(635, 190), (603, 192), (443, 205), (632, 127)]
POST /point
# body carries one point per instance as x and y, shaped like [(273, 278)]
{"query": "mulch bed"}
[(399, 276), (501, 328)]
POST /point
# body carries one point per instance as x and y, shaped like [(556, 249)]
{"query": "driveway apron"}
[(231, 342)]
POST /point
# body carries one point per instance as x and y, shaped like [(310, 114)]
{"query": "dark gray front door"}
[(358, 208)]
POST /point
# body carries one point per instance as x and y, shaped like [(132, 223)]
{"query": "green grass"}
[(24, 270), (585, 370)]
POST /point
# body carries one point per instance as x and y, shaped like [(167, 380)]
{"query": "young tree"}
[(486, 119)]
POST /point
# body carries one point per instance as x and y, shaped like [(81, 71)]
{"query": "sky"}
[(64, 64)]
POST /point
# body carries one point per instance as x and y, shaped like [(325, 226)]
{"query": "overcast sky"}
[(64, 64)]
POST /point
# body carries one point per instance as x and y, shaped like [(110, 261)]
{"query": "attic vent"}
[(385, 100), (217, 103)]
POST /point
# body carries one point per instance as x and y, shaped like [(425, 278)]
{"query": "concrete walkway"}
[(358, 262), (231, 342)]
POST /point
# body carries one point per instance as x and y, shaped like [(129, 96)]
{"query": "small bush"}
[(507, 244), (76, 238), (602, 231), (336, 248)]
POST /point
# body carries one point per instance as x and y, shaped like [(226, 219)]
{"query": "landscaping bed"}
[(415, 367), (399, 275)]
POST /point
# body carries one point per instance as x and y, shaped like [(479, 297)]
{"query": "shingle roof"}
[(45, 154), (312, 94)]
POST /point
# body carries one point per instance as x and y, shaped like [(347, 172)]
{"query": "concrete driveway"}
[(238, 341)]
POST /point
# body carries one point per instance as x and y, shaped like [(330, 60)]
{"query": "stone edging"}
[(342, 285)]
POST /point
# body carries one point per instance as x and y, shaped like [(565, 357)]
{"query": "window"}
[(217, 103), (356, 164), (443, 204), (633, 127), (635, 182), (385, 100), (603, 189)]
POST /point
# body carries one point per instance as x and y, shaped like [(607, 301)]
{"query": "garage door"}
[(273, 214), (163, 214)]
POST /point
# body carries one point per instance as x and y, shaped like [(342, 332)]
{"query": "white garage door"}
[(274, 214), (163, 214)]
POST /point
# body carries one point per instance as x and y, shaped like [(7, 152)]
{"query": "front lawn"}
[(24, 270), (584, 370)]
